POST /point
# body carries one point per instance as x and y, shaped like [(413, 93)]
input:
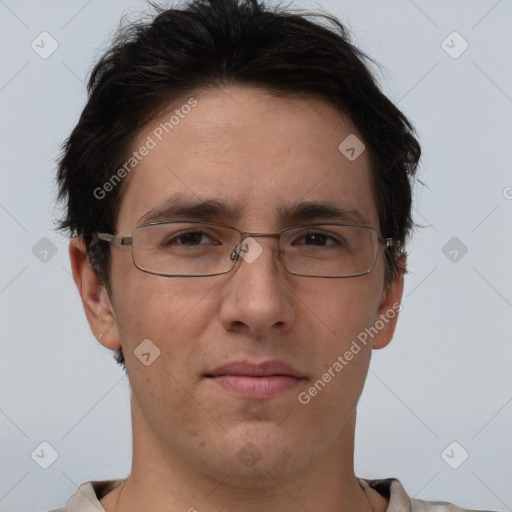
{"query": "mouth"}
[(256, 381)]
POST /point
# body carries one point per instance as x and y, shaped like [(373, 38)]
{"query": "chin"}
[(258, 449)]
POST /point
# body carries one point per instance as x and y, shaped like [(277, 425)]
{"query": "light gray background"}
[(447, 374)]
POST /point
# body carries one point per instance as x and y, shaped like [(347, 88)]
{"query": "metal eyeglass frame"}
[(127, 241)]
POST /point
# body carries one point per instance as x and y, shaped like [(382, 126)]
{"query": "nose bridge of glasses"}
[(247, 234), (243, 246)]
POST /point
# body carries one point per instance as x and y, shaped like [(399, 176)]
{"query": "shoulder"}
[(87, 496), (400, 501)]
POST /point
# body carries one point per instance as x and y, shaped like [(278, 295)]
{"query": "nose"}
[(257, 298)]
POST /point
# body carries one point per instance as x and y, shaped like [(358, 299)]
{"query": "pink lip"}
[(258, 381), (264, 369)]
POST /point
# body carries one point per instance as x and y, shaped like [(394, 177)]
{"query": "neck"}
[(163, 479)]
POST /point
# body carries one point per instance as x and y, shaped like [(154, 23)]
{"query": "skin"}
[(256, 151)]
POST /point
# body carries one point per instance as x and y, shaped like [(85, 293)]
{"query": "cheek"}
[(156, 307), (340, 309), (340, 354), (170, 313)]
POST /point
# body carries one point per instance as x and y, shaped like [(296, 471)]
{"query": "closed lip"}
[(264, 369)]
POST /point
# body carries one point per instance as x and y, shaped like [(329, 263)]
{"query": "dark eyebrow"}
[(193, 209), (211, 208), (319, 210)]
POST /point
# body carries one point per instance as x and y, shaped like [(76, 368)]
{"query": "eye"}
[(190, 239), (317, 238)]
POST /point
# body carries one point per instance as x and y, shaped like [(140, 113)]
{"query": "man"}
[(238, 196)]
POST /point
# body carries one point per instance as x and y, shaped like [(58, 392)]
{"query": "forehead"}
[(258, 154)]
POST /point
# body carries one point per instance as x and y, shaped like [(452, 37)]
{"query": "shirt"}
[(86, 498)]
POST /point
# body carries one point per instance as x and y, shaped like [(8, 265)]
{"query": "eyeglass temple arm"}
[(113, 239)]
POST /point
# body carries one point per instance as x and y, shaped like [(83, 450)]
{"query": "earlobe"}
[(96, 303), (388, 311)]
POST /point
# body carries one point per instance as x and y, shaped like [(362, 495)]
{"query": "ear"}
[(387, 314), (97, 306)]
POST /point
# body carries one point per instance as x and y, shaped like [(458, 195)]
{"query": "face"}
[(259, 154)]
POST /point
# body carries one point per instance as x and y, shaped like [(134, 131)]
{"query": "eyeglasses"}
[(198, 249)]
